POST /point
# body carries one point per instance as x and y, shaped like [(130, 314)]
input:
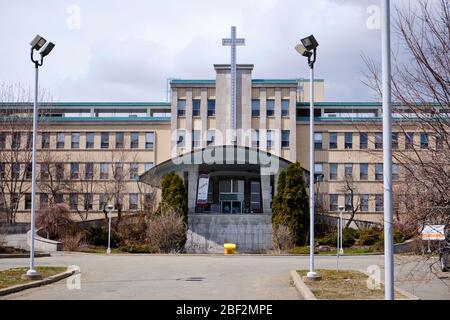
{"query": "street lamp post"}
[(38, 44), (110, 208), (387, 151), (308, 48)]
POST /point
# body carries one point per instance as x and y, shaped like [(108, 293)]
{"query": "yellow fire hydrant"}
[(229, 248)]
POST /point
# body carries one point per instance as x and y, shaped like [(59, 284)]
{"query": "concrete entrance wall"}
[(208, 232)]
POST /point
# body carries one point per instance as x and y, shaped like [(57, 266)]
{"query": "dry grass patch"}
[(12, 277), (343, 285)]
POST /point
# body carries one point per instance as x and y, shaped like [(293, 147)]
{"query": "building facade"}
[(91, 153)]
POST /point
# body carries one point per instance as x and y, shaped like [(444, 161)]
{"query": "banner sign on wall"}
[(203, 186)]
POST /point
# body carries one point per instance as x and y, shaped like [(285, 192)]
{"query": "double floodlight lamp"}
[(308, 48), (40, 44)]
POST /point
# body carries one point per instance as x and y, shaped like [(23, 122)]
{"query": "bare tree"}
[(350, 189), (421, 92), (15, 145)]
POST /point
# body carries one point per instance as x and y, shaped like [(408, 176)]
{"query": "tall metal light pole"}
[(308, 48), (109, 207), (387, 151), (37, 44)]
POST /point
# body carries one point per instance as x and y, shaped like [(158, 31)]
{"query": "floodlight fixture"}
[(49, 47), (300, 48), (37, 43), (310, 43)]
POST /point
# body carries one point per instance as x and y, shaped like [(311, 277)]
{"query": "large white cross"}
[(233, 42)]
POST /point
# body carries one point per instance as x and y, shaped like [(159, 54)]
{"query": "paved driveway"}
[(204, 276)]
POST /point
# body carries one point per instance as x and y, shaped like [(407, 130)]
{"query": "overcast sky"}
[(125, 50)]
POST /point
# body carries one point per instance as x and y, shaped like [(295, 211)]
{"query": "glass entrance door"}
[(234, 207)]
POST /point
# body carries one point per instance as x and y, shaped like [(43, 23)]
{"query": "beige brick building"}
[(93, 140)]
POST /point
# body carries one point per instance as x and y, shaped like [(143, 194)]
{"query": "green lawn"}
[(344, 285), (11, 277), (305, 250)]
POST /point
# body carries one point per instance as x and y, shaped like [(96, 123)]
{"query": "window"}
[(101, 201), (285, 108), (148, 166), (74, 170), (134, 171), (14, 200), (2, 140), (333, 140), (104, 141), (394, 140), (348, 140), (255, 197), (27, 201), (73, 200), (59, 198), (28, 170), (89, 171), (119, 202), (318, 171), (255, 138), (439, 141), (149, 140), (363, 171), (60, 140), (333, 171), (211, 107), (348, 202), (119, 140), (133, 201), (104, 170), (364, 202), (88, 201), (395, 171), (45, 143), (90, 139), (196, 108), (270, 138), (134, 140), (379, 202), (59, 168), (424, 140), (2, 170), (270, 108), (379, 171), (195, 138), (29, 140), (43, 200), (181, 108), (15, 140), (15, 170), (285, 138), (333, 202), (45, 171), (181, 135), (348, 170), (75, 143), (409, 140), (363, 141), (211, 137), (318, 140), (255, 108), (118, 170), (378, 140)]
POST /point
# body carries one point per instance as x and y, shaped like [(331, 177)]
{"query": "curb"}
[(38, 283), (301, 287), (24, 255)]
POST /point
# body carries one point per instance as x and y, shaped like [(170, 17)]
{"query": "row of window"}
[(211, 105), (211, 138), (75, 140), (360, 202), (87, 202), (57, 170), (378, 140), (363, 171)]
